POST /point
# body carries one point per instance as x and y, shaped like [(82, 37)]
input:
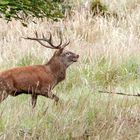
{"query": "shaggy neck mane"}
[(57, 68)]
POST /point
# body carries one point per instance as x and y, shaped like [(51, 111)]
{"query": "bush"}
[(23, 9), (98, 8)]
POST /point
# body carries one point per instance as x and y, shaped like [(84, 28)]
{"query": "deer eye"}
[(68, 53)]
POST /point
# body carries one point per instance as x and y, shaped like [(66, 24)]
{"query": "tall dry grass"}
[(109, 59)]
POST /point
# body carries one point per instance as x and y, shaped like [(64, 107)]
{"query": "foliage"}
[(98, 8), (23, 9)]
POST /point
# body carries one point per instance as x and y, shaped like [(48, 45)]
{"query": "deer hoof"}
[(56, 100)]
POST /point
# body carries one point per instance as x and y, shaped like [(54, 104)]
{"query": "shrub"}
[(24, 9), (98, 8)]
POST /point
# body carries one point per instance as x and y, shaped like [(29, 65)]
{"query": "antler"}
[(49, 41)]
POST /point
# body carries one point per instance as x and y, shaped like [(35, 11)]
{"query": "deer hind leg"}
[(34, 99), (3, 95), (3, 90)]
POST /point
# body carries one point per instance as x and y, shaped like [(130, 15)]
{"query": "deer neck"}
[(57, 68)]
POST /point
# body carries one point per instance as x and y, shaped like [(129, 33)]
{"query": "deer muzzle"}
[(75, 58)]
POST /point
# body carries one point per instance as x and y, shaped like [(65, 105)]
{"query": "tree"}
[(23, 9)]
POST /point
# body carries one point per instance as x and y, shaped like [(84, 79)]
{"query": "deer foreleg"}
[(56, 98), (50, 95)]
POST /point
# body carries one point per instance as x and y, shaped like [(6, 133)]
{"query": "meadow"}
[(109, 50)]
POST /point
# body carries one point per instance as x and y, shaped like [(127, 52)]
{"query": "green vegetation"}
[(23, 9), (82, 111), (109, 60), (98, 8), (29, 60)]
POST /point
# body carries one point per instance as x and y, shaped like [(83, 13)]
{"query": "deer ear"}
[(58, 52)]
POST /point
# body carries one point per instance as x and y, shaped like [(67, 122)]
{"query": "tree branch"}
[(120, 93)]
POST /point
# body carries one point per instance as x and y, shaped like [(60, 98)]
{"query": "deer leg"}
[(3, 90), (34, 100), (33, 96), (56, 98), (51, 96), (44, 93), (3, 96)]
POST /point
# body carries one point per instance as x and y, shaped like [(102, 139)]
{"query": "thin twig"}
[(120, 93)]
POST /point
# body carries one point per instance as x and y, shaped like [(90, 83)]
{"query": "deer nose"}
[(77, 56)]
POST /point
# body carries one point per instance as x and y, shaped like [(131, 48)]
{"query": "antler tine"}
[(43, 36), (50, 38), (36, 34), (32, 38), (60, 43), (39, 40), (49, 41), (65, 44)]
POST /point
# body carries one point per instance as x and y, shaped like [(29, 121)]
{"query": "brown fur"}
[(35, 80)]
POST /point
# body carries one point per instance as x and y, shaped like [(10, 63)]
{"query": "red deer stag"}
[(38, 79)]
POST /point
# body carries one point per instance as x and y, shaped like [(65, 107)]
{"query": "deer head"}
[(43, 79), (64, 56)]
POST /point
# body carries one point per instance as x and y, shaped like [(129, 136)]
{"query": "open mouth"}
[(74, 60)]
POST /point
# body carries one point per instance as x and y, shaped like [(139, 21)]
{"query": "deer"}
[(38, 80)]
